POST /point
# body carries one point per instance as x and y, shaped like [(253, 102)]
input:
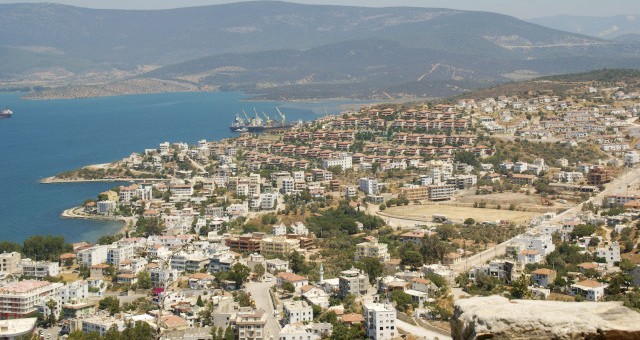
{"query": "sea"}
[(46, 137)]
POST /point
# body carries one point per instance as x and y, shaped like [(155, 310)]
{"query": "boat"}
[(6, 113), (259, 124), (238, 125)]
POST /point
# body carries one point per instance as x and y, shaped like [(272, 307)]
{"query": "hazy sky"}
[(519, 8)]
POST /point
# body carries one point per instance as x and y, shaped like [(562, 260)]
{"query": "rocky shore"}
[(125, 87)]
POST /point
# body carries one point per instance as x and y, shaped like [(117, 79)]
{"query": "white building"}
[(372, 249), (542, 243), (297, 331), (369, 186), (279, 229), (101, 324), (380, 321), (92, 256), (299, 228), (611, 253), (344, 160), (268, 201), (117, 253), (106, 207), (22, 298), (591, 290), (297, 311), (39, 269), (10, 262)]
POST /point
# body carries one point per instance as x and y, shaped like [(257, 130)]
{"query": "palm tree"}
[(51, 305)]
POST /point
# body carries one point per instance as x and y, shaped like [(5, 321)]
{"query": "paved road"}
[(260, 293), (619, 185), (420, 332)]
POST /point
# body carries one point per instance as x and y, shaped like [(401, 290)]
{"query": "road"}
[(420, 332), (618, 185), (260, 293)]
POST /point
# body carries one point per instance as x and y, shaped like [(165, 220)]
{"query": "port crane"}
[(281, 115)]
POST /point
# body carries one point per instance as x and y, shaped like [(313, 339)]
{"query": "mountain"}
[(284, 50), (600, 27)]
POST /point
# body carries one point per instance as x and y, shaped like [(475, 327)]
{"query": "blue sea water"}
[(50, 136)]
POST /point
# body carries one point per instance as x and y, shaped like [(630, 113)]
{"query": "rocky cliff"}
[(496, 317)]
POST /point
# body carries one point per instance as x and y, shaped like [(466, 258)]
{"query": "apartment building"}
[(372, 249), (250, 325), (39, 269), (380, 321), (21, 298), (278, 245), (297, 311), (92, 256), (10, 262), (353, 281)]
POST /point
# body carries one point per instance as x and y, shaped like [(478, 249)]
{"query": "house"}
[(591, 290), (297, 280), (543, 276), (200, 280), (297, 311), (527, 256)]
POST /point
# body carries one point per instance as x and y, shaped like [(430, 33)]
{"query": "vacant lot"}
[(504, 199), (459, 214)]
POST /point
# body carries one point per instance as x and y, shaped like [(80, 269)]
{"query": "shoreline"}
[(72, 213), (55, 180)]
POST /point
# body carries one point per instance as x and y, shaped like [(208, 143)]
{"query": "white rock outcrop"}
[(496, 317)]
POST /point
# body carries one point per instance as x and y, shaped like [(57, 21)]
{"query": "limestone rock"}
[(496, 317)]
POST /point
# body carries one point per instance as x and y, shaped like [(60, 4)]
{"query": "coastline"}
[(73, 213), (56, 180)]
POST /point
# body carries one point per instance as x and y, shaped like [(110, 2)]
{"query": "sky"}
[(523, 9)]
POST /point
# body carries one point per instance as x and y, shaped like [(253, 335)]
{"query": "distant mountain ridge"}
[(284, 50), (601, 27)]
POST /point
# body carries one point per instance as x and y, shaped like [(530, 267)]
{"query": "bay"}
[(47, 137)]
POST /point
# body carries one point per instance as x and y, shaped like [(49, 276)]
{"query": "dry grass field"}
[(459, 214)]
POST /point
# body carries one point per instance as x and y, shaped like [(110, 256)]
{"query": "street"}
[(417, 331), (260, 293)]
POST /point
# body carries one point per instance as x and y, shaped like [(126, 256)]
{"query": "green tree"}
[(144, 280), (239, 273), (403, 300), (9, 247), (296, 262), (110, 304), (288, 287), (199, 302), (259, 270), (520, 287), (372, 266), (45, 248), (51, 305), (627, 265), (411, 258)]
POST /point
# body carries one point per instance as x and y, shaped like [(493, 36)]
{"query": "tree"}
[(627, 265), (144, 280), (411, 258), (372, 266), (520, 287), (199, 302), (403, 300), (288, 287), (296, 261), (110, 304), (239, 273), (259, 270), (9, 247), (45, 248), (51, 305)]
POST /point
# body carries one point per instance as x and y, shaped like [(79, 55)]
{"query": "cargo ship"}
[(6, 113), (259, 124)]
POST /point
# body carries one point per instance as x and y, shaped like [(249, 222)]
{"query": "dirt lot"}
[(503, 199), (458, 214)]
